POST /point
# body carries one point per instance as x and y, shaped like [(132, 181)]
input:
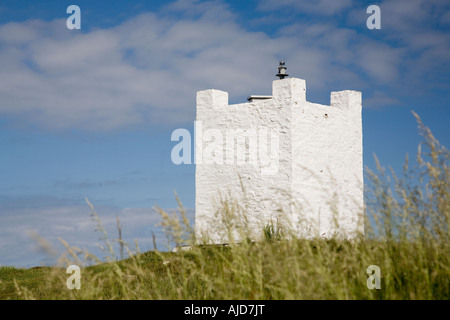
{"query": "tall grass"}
[(406, 236)]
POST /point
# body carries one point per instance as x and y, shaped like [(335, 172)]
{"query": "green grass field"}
[(406, 236), (322, 269)]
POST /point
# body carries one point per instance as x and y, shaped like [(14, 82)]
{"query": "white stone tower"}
[(281, 158)]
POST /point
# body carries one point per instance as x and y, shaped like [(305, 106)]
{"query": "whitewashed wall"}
[(319, 160)]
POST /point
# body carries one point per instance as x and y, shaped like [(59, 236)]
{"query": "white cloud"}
[(73, 224), (320, 7), (147, 69), (380, 99), (445, 19)]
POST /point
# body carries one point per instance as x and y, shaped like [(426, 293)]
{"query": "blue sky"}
[(89, 113)]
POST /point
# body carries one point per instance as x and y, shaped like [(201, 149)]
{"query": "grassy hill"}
[(296, 269), (406, 235)]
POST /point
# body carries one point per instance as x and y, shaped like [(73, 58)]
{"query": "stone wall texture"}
[(284, 160)]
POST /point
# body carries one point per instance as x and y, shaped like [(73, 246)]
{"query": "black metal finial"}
[(282, 70)]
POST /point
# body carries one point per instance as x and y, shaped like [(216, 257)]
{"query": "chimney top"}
[(282, 70)]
